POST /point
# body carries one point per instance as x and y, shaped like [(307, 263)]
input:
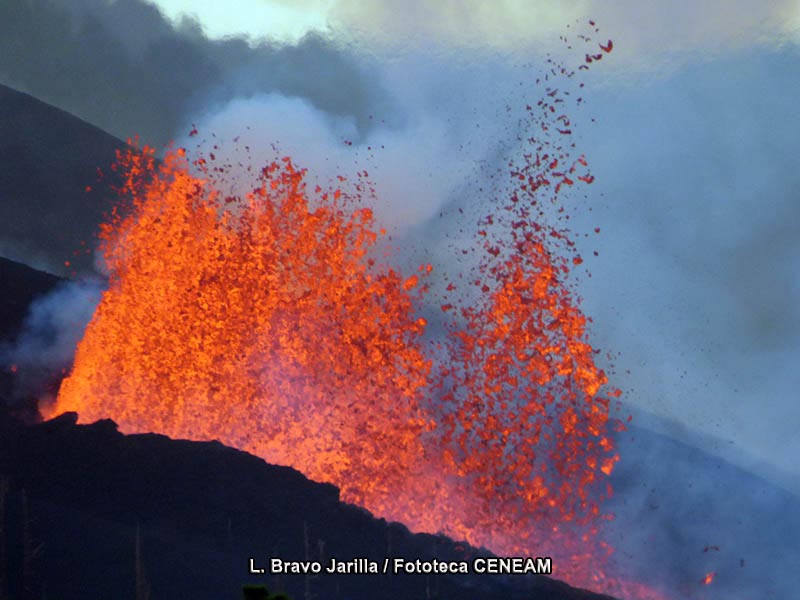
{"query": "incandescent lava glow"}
[(274, 322)]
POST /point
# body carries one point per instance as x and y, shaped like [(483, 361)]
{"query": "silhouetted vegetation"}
[(260, 592)]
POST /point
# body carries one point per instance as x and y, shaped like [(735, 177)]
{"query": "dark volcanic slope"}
[(203, 509), (20, 286), (682, 512), (48, 159)]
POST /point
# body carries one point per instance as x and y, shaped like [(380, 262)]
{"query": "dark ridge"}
[(48, 159), (21, 285), (685, 512), (202, 510)]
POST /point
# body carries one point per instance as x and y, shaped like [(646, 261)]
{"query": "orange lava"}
[(258, 321), (271, 322)]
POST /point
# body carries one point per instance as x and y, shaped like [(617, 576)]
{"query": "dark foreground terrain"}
[(79, 493)]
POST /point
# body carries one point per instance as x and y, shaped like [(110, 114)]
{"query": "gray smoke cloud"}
[(125, 68)]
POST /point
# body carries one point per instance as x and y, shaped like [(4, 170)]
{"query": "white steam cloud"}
[(414, 167), (45, 348)]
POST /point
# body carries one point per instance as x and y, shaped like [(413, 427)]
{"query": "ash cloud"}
[(123, 67), (128, 70)]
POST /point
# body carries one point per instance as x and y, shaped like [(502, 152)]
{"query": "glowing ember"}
[(267, 321), (708, 579)]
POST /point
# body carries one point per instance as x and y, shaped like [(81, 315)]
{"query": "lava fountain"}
[(271, 321)]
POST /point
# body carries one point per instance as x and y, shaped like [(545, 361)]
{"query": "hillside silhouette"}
[(85, 493), (49, 158)]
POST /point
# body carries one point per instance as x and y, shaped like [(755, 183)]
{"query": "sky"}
[(690, 127)]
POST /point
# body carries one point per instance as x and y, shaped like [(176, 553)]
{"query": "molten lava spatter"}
[(258, 321), (268, 321)]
